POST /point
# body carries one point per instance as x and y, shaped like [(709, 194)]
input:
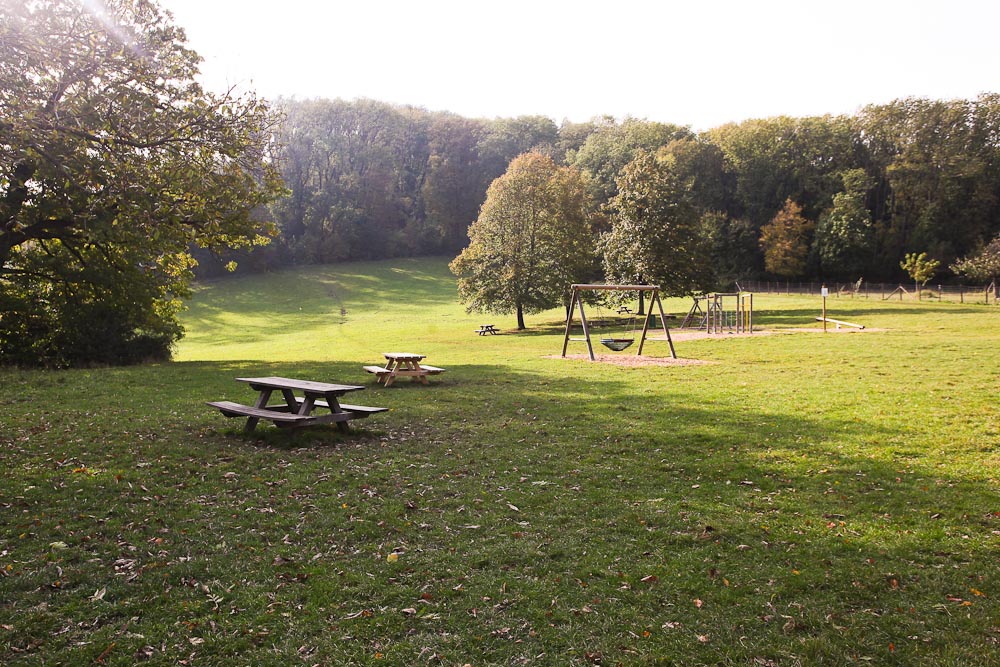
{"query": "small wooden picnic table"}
[(402, 364), (295, 411), (487, 329)]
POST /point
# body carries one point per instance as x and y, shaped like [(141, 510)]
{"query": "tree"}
[(920, 267), (985, 265), (531, 241), (785, 241), (732, 247), (654, 235), (611, 146), (113, 162), (938, 174), (775, 159), (844, 237)]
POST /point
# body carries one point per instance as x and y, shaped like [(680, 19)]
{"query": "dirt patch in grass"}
[(700, 335), (631, 360)]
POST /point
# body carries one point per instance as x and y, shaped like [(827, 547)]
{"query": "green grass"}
[(802, 499)]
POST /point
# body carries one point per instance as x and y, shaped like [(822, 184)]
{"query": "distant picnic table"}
[(295, 411), (487, 329), (402, 364)]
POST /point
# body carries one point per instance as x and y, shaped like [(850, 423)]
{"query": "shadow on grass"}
[(564, 485)]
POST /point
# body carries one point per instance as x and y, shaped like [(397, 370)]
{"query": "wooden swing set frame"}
[(653, 298)]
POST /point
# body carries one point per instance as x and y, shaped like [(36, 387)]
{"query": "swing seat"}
[(617, 344)]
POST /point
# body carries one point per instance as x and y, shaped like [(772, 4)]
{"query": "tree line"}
[(827, 198)]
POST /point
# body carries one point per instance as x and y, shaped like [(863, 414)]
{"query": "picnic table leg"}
[(334, 404), (290, 400), (387, 379), (307, 405), (262, 399)]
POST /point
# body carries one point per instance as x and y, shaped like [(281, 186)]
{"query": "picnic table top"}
[(403, 356), (301, 385)]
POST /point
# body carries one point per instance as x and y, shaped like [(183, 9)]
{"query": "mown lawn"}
[(800, 499)]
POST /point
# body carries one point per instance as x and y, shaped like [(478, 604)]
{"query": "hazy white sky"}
[(697, 62)]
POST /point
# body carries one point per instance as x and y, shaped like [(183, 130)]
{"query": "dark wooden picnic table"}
[(295, 411)]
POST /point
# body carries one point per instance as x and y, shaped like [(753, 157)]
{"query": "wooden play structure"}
[(719, 313), (624, 341)]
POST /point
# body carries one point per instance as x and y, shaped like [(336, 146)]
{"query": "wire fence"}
[(884, 291)]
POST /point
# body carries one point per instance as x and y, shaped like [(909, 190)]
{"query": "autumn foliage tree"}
[(532, 239), (785, 241), (113, 163)]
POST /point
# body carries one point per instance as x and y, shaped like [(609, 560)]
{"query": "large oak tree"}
[(532, 240), (655, 234), (113, 163)]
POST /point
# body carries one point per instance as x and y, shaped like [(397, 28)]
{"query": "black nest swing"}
[(617, 344)]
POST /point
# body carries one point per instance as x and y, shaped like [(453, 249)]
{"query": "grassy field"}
[(799, 498)]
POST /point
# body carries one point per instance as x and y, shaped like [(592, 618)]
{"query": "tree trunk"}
[(642, 306), (520, 317)]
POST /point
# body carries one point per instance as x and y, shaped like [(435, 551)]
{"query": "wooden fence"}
[(884, 291)]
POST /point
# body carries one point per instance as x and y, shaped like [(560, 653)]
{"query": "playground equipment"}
[(721, 312), (839, 323), (617, 344), (628, 335)]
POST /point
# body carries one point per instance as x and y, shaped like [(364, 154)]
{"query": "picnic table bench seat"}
[(272, 413), (377, 370), (431, 370)]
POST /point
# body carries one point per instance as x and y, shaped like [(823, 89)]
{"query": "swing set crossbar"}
[(618, 288)]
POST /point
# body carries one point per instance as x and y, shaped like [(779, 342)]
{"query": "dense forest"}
[(369, 180)]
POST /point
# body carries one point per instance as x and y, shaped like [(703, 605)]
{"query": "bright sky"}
[(693, 62)]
